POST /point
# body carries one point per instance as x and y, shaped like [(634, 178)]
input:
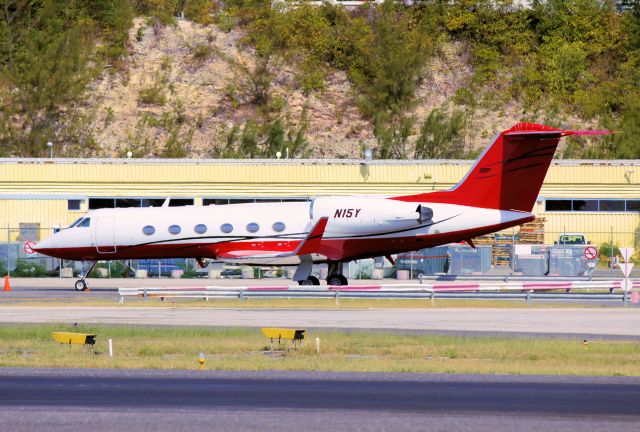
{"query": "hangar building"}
[(598, 198)]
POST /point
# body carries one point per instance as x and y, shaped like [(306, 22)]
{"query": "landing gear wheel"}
[(80, 285), (311, 280), (337, 280)]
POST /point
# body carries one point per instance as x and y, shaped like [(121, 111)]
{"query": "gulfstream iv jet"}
[(498, 192)]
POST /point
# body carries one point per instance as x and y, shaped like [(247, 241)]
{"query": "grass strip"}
[(302, 303), (364, 351)]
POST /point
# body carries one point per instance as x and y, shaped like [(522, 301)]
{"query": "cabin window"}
[(174, 229), (200, 228), (85, 223), (148, 230), (253, 227), (279, 226), (226, 228)]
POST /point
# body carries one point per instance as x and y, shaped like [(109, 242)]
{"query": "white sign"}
[(626, 268), (626, 253)]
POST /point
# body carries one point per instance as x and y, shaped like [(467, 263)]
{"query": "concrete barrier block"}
[(403, 275), (247, 272), (141, 274), (214, 274), (66, 272), (177, 273), (377, 274)]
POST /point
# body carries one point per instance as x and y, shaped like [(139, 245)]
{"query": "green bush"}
[(152, 95), (25, 268), (607, 250)]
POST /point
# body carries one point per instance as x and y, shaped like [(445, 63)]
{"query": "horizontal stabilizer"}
[(509, 173)]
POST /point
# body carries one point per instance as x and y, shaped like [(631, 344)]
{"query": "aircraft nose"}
[(43, 245)]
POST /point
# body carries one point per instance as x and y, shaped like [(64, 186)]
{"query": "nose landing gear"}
[(81, 284)]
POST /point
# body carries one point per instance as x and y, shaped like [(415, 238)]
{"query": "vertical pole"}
[(145, 294), (110, 348), (611, 261), (8, 235), (318, 345), (411, 266)]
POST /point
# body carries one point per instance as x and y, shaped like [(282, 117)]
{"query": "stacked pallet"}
[(532, 232), (485, 240), (502, 249)]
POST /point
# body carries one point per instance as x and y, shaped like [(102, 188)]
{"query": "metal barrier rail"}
[(480, 290)]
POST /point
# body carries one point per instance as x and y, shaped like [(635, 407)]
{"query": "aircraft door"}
[(105, 235)]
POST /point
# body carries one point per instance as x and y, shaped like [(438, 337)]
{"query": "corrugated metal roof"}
[(159, 161)]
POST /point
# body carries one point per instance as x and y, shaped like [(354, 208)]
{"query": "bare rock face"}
[(182, 90)]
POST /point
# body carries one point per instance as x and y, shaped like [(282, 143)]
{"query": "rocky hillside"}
[(249, 78)]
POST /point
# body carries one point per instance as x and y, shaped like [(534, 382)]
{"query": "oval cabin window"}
[(148, 230), (226, 228), (279, 226), (200, 229), (253, 227), (175, 229)]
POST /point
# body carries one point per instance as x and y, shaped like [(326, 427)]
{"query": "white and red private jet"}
[(498, 192)]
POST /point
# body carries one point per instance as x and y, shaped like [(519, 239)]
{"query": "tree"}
[(441, 136), (49, 73)]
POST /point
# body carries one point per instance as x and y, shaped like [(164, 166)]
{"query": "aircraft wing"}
[(308, 245)]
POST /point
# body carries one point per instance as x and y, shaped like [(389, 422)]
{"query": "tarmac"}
[(159, 401), (580, 322)]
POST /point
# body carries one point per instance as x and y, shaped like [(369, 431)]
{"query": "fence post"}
[(241, 296), (8, 262), (528, 297), (337, 297), (145, 294)]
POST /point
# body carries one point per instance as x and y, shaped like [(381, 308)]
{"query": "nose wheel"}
[(81, 284)]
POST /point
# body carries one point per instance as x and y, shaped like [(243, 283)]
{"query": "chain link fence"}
[(549, 259)]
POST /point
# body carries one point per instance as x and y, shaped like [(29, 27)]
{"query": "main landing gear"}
[(335, 274), (81, 284), (311, 280), (303, 273)]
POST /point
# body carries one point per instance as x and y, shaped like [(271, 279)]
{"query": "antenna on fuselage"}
[(166, 202)]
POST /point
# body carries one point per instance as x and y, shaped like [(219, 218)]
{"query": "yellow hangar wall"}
[(36, 191)]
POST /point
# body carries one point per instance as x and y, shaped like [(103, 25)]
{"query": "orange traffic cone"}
[(7, 285)]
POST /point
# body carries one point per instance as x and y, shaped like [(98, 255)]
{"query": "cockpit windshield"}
[(82, 223), (77, 221)]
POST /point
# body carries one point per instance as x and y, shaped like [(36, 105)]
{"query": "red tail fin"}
[(510, 172)]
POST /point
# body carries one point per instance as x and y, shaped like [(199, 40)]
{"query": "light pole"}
[(50, 145)]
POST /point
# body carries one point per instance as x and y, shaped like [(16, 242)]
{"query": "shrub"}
[(25, 268), (152, 95)]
